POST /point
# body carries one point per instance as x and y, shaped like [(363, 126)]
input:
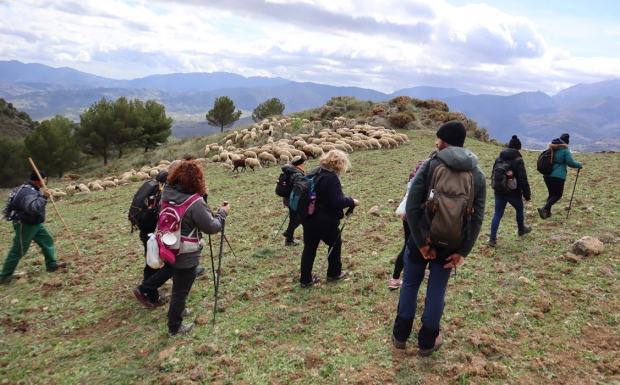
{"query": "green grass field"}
[(517, 314)]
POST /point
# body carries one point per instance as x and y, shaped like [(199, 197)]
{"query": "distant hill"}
[(581, 92), (589, 112)]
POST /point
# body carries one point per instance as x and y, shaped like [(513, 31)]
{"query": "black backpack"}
[(284, 185), (501, 182), (144, 209), (303, 196), (544, 164)]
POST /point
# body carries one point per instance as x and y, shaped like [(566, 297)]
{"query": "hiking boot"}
[(492, 242), (399, 344), (58, 266), (7, 279), (394, 284), (186, 312), (140, 297), (343, 273), (185, 328), (161, 299), (200, 271), (544, 214), (525, 230), (291, 243), (428, 352), (309, 284)]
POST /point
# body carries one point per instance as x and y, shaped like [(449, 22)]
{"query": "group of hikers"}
[(444, 211)]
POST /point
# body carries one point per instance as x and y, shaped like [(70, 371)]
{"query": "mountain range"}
[(589, 112)]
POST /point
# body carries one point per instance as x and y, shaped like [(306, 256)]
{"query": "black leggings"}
[(400, 263), (555, 186)]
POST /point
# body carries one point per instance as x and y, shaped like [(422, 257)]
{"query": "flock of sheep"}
[(345, 135)]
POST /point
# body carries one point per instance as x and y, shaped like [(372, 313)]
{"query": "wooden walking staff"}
[(56, 208)]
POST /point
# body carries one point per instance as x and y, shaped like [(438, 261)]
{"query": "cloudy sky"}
[(499, 46)]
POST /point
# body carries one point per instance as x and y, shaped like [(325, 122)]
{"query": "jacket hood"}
[(174, 194), (458, 158), (555, 147), (509, 154), (289, 169)]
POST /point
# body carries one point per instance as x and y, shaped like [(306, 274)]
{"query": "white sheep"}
[(82, 187), (226, 166), (252, 162), (108, 184), (216, 158)]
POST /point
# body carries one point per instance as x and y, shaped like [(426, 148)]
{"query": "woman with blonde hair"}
[(323, 224)]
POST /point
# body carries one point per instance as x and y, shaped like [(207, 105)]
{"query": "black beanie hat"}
[(452, 132), (34, 176), (565, 138), (514, 143)]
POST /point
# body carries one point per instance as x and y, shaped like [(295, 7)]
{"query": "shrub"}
[(400, 120), (379, 111)]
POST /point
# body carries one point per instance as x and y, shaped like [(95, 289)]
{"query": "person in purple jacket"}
[(323, 224)]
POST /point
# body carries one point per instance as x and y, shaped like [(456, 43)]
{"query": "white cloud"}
[(386, 45)]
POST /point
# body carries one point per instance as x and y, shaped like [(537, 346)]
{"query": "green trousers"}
[(24, 235)]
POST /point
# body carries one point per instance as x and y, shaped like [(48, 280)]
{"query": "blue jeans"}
[(415, 265), (500, 206)]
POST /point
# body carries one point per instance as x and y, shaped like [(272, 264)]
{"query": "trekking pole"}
[(212, 264), (229, 246), (219, 264), (348, 214), (56, 208), (274, 238), (571, 196)]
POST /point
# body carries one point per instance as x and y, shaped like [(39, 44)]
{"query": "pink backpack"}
[(168, 232)]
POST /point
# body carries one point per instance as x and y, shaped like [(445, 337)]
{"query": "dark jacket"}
[(457, 158), (561, 158), (330, 200), (30, 203), (518, 168), (295, 174), (198, 216)]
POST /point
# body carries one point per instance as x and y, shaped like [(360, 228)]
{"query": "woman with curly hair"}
[(184, 182), (323, 224)]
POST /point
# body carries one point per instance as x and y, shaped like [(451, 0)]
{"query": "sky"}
[(491, 47)]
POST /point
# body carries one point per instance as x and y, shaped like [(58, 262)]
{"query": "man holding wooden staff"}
[(26, 208)]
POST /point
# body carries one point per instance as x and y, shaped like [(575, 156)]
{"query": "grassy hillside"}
[(14, 124), (520, 313)]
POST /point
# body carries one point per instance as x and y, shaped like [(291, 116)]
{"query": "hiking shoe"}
[(428, 352), (343, 274), (186, 312), (200, 271), (161, 299), (525, 230), (143, 300), (291, 243), (492, 242), (399, 344), (309, 284), (185, 328), (7, 279), (58, 266), (394, 283), (544, 214)]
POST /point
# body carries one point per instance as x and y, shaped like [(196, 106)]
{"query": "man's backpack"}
[(284, 185), (10, 211), (143, 212), (447, 212), (303, 195), (503, 179), (168, 234), (544, 164)]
